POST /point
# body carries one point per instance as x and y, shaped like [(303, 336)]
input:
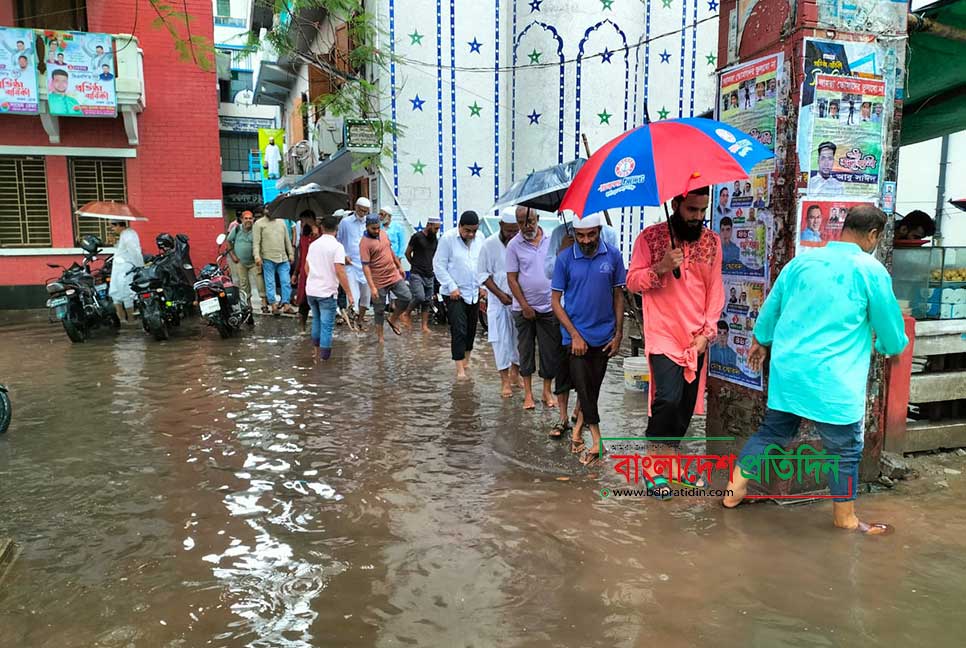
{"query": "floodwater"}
[(207, 492)]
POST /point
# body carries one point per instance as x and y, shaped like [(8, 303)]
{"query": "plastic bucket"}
[(636, 374)]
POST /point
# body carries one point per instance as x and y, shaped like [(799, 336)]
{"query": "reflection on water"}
[(235, 493)]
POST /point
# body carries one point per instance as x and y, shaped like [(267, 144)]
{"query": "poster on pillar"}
[(728, 353), (270, 144), (18, 72), (80, 74), (820, 221), (743, 218), (747, 100), (866, 60), (845, 153)]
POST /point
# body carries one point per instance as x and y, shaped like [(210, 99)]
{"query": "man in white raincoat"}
[(127, 256), (502, 333)]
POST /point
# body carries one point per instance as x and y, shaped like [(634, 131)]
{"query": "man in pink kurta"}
[(680, 315)]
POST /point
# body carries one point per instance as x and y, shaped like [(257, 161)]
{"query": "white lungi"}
[(501, 331)]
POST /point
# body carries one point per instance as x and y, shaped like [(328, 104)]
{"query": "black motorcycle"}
[(222, 304), (5, 409), (164, 286), (79, 298)]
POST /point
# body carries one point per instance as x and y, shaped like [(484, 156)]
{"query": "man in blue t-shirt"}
[(588, 300)]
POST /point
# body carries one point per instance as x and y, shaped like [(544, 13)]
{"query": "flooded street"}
[(235, 493)]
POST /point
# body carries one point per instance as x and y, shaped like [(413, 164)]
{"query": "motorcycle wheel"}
[(224, 329), (74, 332), (6, 411), (115, 321), (155, 323)]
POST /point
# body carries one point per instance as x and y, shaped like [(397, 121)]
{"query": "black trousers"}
[(587, 374), (544, 332), (462, 326), (674, 399)]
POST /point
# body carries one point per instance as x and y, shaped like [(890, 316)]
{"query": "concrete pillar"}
[(749, 30)]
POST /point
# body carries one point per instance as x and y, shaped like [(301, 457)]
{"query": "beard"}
[(529, 235), (685, 231), (431, 235), (588, 249)]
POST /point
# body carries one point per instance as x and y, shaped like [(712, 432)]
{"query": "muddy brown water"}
[(203, 492)]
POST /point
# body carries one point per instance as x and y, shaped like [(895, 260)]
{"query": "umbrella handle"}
[(667, 216)]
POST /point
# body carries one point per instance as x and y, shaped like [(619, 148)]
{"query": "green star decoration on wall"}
[(666, 4), (607, 3), (711, 59), (604, 117), (475, 109), (663, 112), (416, 38), (418, 167), (535, 56)]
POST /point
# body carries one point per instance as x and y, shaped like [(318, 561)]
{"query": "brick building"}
[(161, 152)]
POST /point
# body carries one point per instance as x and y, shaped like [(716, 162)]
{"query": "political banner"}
[(846, 143), (747, 100), (820, 221), (743, 218), (728, 353), (80, 74), (18, 72)]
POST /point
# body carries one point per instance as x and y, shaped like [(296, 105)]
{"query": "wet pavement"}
[(207, 492)]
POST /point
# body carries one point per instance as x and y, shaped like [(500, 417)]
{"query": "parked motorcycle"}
[(5, 409), (223, 305), (79, 298), (164, 286)]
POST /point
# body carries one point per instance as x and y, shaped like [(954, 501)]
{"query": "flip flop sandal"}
[(394, 328), (691, 477), (864, 528), (590, 458), (576, 447), (660, 488), (558, 430)]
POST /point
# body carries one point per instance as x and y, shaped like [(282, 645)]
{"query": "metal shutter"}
[(24, 215), (96, 179)]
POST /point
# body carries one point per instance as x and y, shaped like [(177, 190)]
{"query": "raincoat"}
[(127, 256)]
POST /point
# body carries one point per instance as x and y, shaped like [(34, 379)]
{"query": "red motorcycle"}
[(223, 305)]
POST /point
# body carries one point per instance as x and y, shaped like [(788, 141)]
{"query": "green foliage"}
[(177, 22)]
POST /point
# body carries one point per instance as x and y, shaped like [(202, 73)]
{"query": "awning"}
[(935, 98), (273, 84)]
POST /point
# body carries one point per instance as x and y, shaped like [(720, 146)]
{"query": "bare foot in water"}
[(507, 390), (528, 403), (549, 400)]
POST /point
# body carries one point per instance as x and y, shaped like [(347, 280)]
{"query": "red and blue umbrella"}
[(659, 160)]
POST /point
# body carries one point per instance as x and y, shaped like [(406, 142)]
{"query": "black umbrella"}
[(320, 200), (543, 189)]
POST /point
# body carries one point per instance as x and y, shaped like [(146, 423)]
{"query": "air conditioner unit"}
[(328, 136)]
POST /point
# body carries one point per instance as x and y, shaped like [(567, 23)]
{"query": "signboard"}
[(242, 195), (207, 208), (244, 124), (18, 72), (80, 74), (845, 155), (362, 135), (747, 100)]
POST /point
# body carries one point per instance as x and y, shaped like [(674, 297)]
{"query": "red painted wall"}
[(178, 157)]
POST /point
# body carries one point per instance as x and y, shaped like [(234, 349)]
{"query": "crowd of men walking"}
[(555, 308)]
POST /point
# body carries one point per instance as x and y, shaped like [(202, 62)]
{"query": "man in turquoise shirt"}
[(818, 320)]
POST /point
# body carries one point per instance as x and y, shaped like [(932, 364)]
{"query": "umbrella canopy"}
[(657, 161), (543, 189), (321, 200), (111, 210), (959, 202)]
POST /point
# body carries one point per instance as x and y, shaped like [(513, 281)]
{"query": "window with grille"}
[(235, 149), (96, 179), (52, 14), (24, 216), (223, 8)]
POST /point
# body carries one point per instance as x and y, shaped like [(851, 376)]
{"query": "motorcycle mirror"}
[(221, 238)]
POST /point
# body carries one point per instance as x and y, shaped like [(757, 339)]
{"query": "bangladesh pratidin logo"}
[(625, 167)]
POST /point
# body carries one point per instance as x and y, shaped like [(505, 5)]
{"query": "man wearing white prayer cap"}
[(588, 300), (351, 230), (501, 332)]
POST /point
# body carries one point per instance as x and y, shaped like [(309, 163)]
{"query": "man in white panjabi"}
[(127, 256), (501, 331), (273, 159)]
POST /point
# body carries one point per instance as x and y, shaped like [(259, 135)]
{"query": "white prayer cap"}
[(434, 220), (339, 212), (387, 209), (364, 202), (509, 215), (587, 222)]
